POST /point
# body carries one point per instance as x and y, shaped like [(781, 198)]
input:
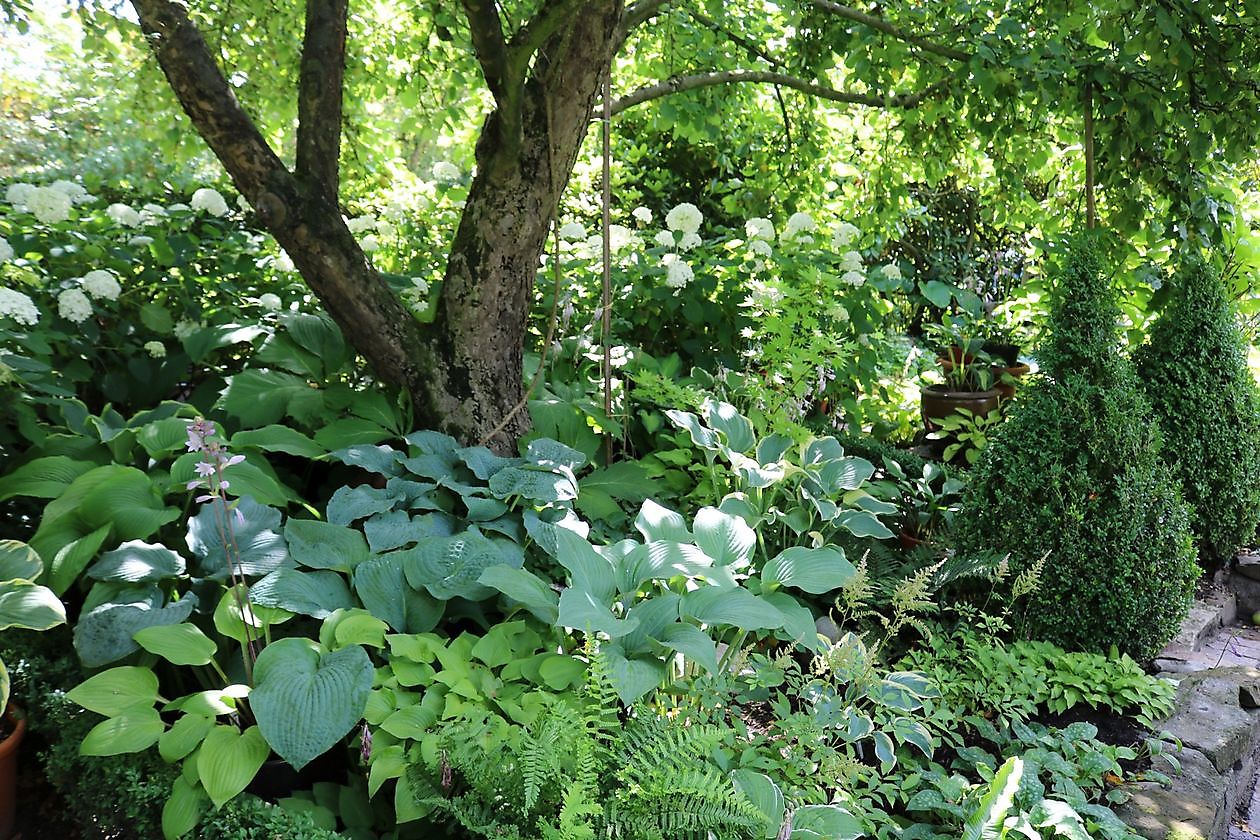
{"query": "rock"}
[(1195, 806), (1248, 566), (1210, 719), (1202, 622)]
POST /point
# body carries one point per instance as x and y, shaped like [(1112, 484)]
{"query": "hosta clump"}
[(1194, 370), (1076, 475)]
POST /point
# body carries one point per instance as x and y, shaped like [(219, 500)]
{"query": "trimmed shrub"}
[(1075, 474), (1194, 370)]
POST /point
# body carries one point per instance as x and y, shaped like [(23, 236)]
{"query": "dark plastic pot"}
[(8, 770), (277, 779), (938, 402)]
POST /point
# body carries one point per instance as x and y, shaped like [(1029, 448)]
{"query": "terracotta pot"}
[(8, 770), (938, 401), (1016, 371)]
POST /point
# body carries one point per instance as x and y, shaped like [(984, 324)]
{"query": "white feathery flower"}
[(18, 306), (851, 261), (124, 215), (446, 172), (49, 206), (101, 284), (798, 225), (74, 306), (665, 239), (572, 232), (758, 228), (642, 215), (6, 251), (156, 349), (853, 278), (685, 218), (369, 243), (19, 194), (269, 301), (209, 200), (892, 271), (283, 262), (689, 241), (843, 233)]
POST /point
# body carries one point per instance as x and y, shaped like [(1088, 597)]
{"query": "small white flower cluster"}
[(843, 234), (283, 262), (209, 201), (445, 172), (642, 215), (683, 223), (800, 229), (685, 218), (416, 296), (854, 270), (892, 271), (370, 225), (572, 232), (48, 205), (74, 306), (77, 193), (269, 301), (101, 284), (124, 215), (677, 273), (184, 328), (18, 306), (155, 349)]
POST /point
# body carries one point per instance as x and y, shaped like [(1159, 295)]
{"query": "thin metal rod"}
[(607, 297), (1091, 209)]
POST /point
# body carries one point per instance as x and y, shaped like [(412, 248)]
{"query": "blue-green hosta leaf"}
[(693, 643), (581, 611), (259, 549), (43, 478), (632, 677), (771, 449), (843, 474), (398, 528), (382, 460), (656, 522), (552, 453), (538, 485), (914, 733), (448, 567), (825, 822), (653, 616), (861, 523), (764, 794), (485, 463), (317, 594), (18, 561), (104, 635), (813, 570), (626, 480), (820, 450), (798, 620), (736, 431), (724, 537), (305, 700), (138, 562), (29, 606), (701, 436), (589, 571), (228, 761), (662, 560), (323, 545), (484, 510), (731, 607), (543, 530), (277, 438), (526, 589), (351, 503), (737, 504)]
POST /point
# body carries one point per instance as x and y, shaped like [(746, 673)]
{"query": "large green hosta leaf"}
[(104, 634), (449, 567), (305, 700), (322, 545), (813, 570), (136, 561), (317, 594), (258, 547)]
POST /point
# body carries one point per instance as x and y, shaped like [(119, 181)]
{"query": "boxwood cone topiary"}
[(1194, 370), (1076, 473)]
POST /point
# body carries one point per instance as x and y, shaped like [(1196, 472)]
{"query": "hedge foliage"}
[(1194, 370), (1075, 475)]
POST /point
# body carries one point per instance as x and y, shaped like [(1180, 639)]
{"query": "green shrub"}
[(1194, 370), (1076, 474)]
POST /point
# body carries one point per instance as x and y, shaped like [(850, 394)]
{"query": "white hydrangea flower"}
[(572, 232), (184, 328), (446, 172), (760, 247), (689, 241), (101, 284), (154, 209), (283, 262), (19, 194), (677, 273), (758, 228), (74, 306), (361, 224), (209, 200), (156, 349), (892, 271), (269, 301), (843, 233), (124, 215), (853, 278), (619, 238), (421, 285), (370, 243), (385, 228), (799, 225), (49, 206), (18, 306), (6, 251), (665, 239), (685, 218), (75, 192), (177, 207), (851, 261), (642, 215), (140, 241)]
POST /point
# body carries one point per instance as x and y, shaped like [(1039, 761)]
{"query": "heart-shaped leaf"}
[(136, 561), (813, 570), (306, 700), (228, 761), (179, 644)]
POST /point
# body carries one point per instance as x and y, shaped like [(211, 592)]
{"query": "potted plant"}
[(968, 371), (26, 605), (966, 434), (927, 501)]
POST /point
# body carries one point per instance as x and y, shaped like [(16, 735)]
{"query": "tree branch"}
[(488, 44), (754, 49), (530, 37), (640, 12), (679, 84), (878, 23), (319, 95)]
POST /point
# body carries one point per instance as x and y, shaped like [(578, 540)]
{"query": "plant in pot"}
[(926, 500), (968, 371), (25, 605), (966, 434)]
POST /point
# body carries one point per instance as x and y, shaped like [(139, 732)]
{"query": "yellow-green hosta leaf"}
[(183, 809), (115, 691), (132, 731), (184, 736), (228, 761), (179, 644)]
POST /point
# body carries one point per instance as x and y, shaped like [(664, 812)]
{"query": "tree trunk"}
[(481, 321)]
